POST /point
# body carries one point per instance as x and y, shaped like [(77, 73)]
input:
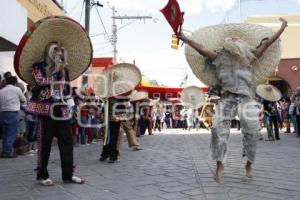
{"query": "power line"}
[(115, 30), (127, 24), (103, 26), (72, 10), (97, 34), (82, 6)]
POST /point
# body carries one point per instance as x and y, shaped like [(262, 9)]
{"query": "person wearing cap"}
[(48, 58), (233, 68)]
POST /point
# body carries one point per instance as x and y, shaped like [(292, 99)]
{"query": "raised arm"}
[(266, 43), (198, 47)]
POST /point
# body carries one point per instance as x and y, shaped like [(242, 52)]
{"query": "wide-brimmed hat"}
[(268, 92), (64, 30), (213, 37), (138, 96), (118, 80), (193, 96)]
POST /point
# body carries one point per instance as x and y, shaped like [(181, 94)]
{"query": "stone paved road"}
[(174, 164)]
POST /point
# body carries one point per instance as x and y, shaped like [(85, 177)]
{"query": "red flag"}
[(173, 15)]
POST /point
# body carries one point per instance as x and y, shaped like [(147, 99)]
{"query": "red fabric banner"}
[(173, 15)]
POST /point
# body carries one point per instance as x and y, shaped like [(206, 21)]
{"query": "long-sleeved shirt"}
[(11, 98), (60, 87), (49, 90)]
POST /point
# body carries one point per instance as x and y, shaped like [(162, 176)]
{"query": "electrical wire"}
[(103, 26), (97, 34), (72, 10), (82, 6), (127, 24)]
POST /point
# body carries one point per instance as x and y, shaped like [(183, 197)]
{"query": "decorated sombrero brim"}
[(68, 32), (139, 96), (213, 37), (193, 97), (268, 92), (117, 80)]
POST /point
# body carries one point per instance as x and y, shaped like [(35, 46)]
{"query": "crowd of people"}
[(50, 107), (282, 114), (87, 119)]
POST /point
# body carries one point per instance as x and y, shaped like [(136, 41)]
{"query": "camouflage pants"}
[(227, 108)]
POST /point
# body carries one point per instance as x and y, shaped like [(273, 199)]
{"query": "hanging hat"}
[(68, 32), (117, 80), (268, 92), (213, 37), (138, 96), (193, 96)]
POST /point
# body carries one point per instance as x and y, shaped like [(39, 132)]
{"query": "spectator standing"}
[(297, 106), (271, 118), (168, 118), (183, 118), (293, 116), (4, 81), (286, 117), (11, 98)]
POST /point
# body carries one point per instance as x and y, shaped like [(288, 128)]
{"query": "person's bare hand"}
[(284, 22), (62, 67), (182, 37)]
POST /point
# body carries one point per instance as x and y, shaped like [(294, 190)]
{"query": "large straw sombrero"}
[(213, 37), (193, 96), (268, 92), (117, 80), (61, 29), (139, 96)]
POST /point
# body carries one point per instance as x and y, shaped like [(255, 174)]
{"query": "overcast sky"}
[(148, 42)]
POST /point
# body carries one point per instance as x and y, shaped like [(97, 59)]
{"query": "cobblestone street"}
[(174, 164)]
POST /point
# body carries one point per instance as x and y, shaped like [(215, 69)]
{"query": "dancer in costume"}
[(52, 54), (234, 65), (113, 85)]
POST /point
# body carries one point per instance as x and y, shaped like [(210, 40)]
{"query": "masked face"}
[(56, 54), (239, 48)]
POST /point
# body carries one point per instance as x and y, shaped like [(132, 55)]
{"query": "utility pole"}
[(114, 35), (114, 38), (88, 5), (87, 29), (87, 15)]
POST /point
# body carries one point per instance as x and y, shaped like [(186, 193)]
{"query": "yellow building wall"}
[(38, 9), (290, 37)]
